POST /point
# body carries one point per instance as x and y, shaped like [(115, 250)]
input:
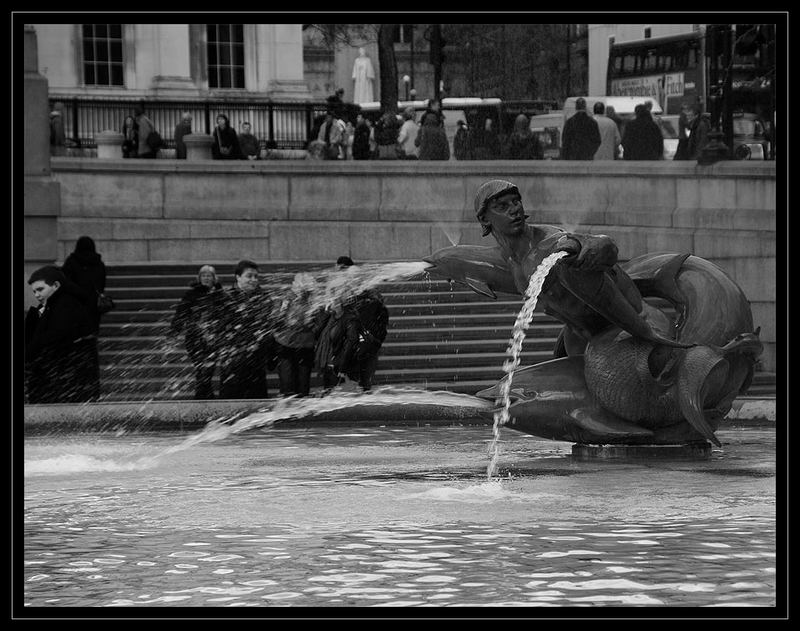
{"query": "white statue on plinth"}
[(363, 76)]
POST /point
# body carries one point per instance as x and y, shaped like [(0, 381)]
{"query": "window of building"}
[(648, 32), (403, 33), (225, 48), (102, 54)]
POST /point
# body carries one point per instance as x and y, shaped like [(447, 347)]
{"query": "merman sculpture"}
[(653, 350)]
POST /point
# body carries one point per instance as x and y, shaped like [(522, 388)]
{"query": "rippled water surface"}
[(388, 517)]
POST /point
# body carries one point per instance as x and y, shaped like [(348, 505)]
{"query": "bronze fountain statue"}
[(653, 350)]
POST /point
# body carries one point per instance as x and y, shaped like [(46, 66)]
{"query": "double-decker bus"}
[(671, 69), (685, 68)]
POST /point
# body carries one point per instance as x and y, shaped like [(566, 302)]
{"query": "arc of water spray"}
[(521, 325)]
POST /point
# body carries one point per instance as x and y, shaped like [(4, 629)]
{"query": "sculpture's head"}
[(498, 206)]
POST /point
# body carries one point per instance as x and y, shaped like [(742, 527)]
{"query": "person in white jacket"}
[(408, 134)]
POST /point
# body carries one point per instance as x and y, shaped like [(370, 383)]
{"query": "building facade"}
[(172, 61)]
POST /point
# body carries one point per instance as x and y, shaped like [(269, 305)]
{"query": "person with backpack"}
[(364, 325)]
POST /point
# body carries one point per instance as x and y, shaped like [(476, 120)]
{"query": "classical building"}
[(179, 61)]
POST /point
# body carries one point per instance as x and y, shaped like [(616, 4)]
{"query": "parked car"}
[(547, 128), (750, 141)]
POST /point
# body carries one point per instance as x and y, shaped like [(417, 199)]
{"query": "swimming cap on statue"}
[(489, 190)]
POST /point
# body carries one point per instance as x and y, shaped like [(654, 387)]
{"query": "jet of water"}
[(521, 325), (293, 407)]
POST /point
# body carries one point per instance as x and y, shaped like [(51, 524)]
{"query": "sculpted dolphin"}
[(657, 347), (479, 267)]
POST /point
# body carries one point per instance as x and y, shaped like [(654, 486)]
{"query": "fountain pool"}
[(301, 515)]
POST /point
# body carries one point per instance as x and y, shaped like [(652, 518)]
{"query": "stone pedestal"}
[(695, 451), (109, 144), (198, 146)]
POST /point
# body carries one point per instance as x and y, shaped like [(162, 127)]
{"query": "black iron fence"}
[(284, 125)]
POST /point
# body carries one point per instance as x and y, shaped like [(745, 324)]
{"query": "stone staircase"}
[(440, 337)]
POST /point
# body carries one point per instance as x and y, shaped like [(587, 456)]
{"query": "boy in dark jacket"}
[(58, 343)]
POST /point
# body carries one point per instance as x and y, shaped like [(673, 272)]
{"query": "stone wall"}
[(177, 211)]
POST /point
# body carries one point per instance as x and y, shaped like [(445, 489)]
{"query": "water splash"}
[(521, 325), (276, 410), (293, 407)]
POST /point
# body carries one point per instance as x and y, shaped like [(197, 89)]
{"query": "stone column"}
[(280, 61), (198, 146), (174, 72), (109, 144), (42, 194)]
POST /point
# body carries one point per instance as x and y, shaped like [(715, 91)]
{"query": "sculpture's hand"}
[(594, 251)]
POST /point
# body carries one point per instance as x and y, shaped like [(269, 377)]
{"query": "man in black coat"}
[(59, 343), (581, 136), (642, 139)]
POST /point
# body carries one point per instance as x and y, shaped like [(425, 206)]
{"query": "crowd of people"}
[(138, 140), (245, 332), (344, 133), (241, 332), (598, 137)]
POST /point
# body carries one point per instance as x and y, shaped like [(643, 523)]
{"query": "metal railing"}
[(284, 125)]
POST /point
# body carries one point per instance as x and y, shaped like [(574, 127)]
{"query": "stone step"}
[(116, 349), (142, 324), (468, 310), (124, 339), (154, 298), (166, 365)]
